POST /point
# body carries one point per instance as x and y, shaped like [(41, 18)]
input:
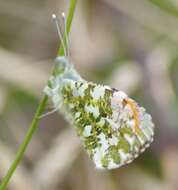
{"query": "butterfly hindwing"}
[(113, 128)]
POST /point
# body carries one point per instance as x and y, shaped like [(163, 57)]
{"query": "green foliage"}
[(166, 5)]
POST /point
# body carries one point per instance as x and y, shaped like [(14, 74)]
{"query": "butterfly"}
[(113, 128)]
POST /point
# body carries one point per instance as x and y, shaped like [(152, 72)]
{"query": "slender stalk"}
[(40, 110)]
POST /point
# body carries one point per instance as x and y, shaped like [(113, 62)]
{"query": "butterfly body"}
[(113, 128)]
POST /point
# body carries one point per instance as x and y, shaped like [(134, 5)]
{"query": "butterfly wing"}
[(112, 127)]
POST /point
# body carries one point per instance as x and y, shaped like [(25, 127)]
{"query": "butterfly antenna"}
[(65, 32), (59, 33)]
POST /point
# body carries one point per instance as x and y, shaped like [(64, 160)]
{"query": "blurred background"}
[(130, 45)]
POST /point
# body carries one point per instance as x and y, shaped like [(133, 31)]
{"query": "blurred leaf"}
[(104, 71), (18, 97), (168, 6), (174, 76), (150, 163)]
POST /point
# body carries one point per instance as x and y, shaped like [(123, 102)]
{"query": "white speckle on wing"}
[(120, 94), (97, 158), (93, 110), (114, 125), (77, 114), (82, 89), (136, 155), (87, 131), (129, 139), (114, 140), (101, 122), (115, 115), (124, 156), (147, 126), (112, 165), (104, 142), (143, 149), (147, 132), (75, 92), (136, 148), (79, 91), (141, 140), (98, 92), (129, 161)]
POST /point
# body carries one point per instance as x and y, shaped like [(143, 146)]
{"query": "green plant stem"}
[(25, 143), (40, 110)]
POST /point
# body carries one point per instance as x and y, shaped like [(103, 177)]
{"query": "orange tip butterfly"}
[(113, 128)]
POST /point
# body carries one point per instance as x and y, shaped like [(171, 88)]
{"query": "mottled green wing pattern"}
[(112, 127)]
